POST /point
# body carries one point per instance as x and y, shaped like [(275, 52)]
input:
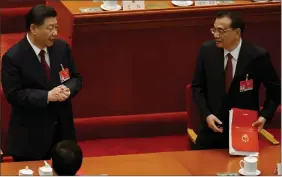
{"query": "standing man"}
[(221, 65), (39, 79)]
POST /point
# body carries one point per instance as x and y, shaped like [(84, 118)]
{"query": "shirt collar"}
[(235, 52), (35, 48)]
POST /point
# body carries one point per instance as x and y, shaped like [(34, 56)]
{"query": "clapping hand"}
[(64, 93), (59, 93)]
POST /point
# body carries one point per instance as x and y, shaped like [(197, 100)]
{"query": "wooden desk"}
[(166, 163), (142, 164), (74, 6), (138, 62), (214, 161)]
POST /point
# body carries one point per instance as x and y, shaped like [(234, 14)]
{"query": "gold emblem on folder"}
[(245, 138)]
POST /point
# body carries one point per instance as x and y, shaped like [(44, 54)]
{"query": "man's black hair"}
[(38, 14), (237, 20), (66, 158)]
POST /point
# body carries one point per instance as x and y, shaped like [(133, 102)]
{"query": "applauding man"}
[(39, 80)]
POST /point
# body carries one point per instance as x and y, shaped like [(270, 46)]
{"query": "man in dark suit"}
[(221, 65), (39, 79)]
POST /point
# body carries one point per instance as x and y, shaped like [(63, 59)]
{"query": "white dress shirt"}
[(235, 56), (37, 51)]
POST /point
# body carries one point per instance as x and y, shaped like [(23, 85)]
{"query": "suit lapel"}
[(54, 67), (242, 62), (35, 63), (220, 68)]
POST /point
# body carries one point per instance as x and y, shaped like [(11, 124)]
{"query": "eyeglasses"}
[(219, 31)]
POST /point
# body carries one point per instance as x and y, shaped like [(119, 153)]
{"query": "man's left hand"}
[(259, 123)]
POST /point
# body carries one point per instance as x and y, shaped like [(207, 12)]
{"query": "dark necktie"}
[(44, 64), (228, 72)]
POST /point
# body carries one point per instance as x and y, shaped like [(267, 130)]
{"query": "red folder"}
[(244, 135)]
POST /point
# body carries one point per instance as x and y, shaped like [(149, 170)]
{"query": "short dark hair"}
[(237, 20), (66, 158), (38, 14)]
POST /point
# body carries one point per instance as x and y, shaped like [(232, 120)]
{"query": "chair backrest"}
[(13, 12), (194, 119), (5, 117), (17, 3), (15, 15)]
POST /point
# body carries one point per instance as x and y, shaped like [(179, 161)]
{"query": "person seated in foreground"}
[(66, 158)]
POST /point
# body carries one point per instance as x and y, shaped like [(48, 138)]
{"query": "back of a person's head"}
[(66, 158)]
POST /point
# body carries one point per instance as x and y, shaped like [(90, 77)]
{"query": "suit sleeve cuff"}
[(267, 114), (205, 115)]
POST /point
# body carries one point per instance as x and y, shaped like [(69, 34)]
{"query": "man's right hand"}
[(212, 121)]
